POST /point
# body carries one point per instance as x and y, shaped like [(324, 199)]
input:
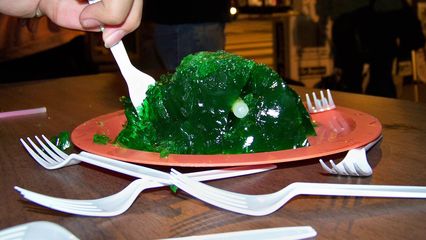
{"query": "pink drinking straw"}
[(22, 112)]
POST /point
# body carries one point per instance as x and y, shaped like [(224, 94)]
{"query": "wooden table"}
[(399, 159)]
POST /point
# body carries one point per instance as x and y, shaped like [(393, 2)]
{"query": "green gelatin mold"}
[(216, 103)]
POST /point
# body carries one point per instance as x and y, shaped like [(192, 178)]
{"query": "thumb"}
[(105, 12)]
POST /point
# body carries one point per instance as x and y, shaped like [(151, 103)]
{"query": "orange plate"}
[(337, 130)]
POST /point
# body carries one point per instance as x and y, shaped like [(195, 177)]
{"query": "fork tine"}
[(338, 169), (77, 207), (321, 104), (54, 148), (349, 170), (42, 161), (361, 171), (206, 192), (316, 101), (330, 99), (323, 100), (47, 150), (80, 207), (219, 195), (210, 198), (326, 168), (102, 207), (40, 152), (59, 201), (308, 103), (47, 154)]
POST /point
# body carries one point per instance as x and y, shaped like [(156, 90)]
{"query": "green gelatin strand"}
[(190, 111)]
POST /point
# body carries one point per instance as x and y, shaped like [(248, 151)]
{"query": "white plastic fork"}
[(281, 233), (38, 230), (320, 105), (260, 205), (354, 163), (51, 157), (137, 81), (118, 203), (103, 207)]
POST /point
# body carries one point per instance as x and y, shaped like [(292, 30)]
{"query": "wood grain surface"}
[(159, 213)]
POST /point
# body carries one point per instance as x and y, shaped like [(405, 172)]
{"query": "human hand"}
[(118, 17)]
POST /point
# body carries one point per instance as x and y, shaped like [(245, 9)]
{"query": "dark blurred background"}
[(284, 35)]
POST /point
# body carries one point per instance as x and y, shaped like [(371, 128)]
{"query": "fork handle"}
[(164, 178), (118, 50), (361, 190), (120, 55), (298, 232), (123, 167)]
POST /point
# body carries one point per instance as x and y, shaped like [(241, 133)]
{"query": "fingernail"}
[(90, 23), (114, 38)]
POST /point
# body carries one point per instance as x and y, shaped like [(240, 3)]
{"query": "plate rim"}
[(222, 160)]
